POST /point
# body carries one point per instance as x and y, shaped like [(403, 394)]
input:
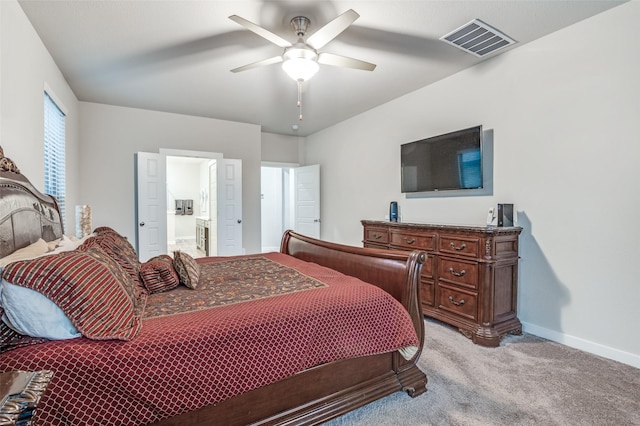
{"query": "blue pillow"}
[(33, 314)]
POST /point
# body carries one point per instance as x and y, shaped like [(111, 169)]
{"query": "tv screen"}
[(447, 162)]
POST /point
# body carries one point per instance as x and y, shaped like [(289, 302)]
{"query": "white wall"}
[(25, 68), (565, 117), (112, 135), (280, 148)]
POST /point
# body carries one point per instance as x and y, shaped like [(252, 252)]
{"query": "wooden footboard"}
[(396, 272), (330, 390)]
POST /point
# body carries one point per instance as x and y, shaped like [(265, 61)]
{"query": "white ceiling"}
[(175, 56)]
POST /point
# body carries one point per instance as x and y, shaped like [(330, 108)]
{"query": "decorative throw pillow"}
[(187, 268), (92, 290), (158, 274), (120, 250), (106, 230)]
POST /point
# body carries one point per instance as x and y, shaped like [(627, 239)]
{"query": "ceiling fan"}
[(301, 60)]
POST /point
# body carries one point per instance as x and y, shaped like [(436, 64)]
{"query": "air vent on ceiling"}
[(478, 38)]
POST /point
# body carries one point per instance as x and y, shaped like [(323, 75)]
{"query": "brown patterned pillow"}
[(187, 268), (125, 246), (93, 291), (158, 274), (120, 250), (105, 230)]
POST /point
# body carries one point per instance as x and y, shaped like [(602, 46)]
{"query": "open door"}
[(307, 200), (229, 207), (151, 206)]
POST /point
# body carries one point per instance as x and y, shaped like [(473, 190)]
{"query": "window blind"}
[(54, 152)]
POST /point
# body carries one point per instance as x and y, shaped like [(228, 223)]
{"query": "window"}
[(54, 147)]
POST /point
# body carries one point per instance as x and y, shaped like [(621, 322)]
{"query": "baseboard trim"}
[(582, 344)]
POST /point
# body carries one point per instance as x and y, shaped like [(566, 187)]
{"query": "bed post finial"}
[(6, 164)]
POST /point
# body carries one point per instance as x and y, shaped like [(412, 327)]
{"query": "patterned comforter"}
[(252, 321)]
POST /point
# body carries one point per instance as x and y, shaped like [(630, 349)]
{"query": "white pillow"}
[(53, 244), (36, 249), (31, 313), (68, 243)]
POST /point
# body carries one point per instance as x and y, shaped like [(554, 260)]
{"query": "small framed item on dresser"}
[(20, 393)]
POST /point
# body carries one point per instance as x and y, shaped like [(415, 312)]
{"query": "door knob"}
[(141, 223), (239, 220)]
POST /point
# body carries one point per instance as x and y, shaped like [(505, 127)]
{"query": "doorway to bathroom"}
[(290, 199), (191, 199), (188, 200)]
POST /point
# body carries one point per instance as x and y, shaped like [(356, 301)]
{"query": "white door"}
[(229, 207), (307, 200), (151, 207)]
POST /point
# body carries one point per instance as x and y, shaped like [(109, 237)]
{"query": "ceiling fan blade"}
[(345, 62), (266, 34), (331, 30), (264, 62)]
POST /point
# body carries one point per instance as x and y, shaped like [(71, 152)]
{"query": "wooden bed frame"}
[(313, 396)]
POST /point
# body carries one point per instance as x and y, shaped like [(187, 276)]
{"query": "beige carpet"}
[(525, 381)]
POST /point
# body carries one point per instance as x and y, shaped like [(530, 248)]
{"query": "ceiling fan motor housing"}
[(300, 24)]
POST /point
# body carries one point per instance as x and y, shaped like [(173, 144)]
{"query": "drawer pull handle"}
[(409, 241), (460, 303), (377, 236), (457, 274), (455, 247)]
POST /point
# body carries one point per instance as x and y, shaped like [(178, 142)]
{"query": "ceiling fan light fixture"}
[(300, 69), (300, 62)]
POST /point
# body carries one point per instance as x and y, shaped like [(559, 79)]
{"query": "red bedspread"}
[(185, 361)]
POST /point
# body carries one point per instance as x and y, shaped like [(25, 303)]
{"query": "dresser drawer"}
[(460, 246), (413, 240), (376, 236), (459, 302), (458, 272)]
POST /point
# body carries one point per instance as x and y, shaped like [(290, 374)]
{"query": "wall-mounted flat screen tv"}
[(452, 161)]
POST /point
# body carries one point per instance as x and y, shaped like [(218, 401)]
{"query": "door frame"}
[(169, 152)]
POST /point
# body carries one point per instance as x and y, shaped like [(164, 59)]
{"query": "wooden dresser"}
[(470, 279)]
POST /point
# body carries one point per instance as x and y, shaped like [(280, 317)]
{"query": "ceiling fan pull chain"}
[(300, 100)]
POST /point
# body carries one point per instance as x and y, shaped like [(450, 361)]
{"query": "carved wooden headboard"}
[(25, 213)]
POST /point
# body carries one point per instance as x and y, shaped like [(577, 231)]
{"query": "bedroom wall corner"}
[(280, 148), (26, 67)]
